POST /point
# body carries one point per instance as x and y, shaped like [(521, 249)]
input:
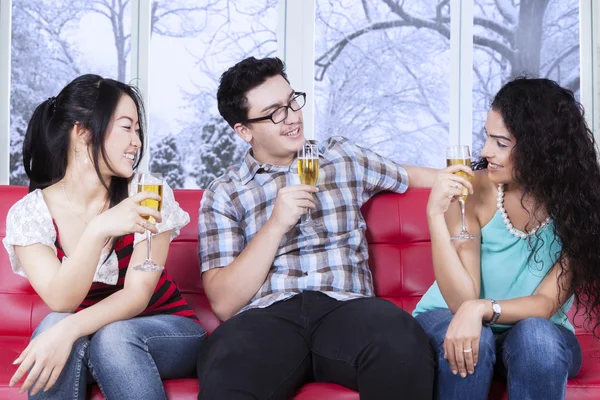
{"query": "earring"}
[(85, 160)]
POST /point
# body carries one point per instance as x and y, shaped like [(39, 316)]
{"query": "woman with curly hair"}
[(499, 304)]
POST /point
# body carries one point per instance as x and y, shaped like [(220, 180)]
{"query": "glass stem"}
[(463, 224), (308, 218), (149, 245)]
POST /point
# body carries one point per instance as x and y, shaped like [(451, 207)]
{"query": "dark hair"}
[(241, 78), (90, 102), (556, 164)]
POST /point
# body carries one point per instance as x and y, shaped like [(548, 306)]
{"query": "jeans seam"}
[(146, 339), (153, 364), (91, 368), (287, 377), (352, 364), (79, 366)]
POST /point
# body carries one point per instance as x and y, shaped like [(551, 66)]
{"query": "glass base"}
[(148, 266), (464, 235), (310, 222)]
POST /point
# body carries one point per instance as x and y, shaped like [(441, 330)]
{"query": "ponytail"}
[(41, 161)]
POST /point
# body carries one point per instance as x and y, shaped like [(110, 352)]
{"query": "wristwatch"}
[(497, 311)]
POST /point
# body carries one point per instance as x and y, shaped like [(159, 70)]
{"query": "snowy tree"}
[(41, 63), (218, 149), (45, 57), (166, 160), (382, 66), (233, 31)]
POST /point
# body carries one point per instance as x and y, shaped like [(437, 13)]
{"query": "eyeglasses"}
[(281, 113)]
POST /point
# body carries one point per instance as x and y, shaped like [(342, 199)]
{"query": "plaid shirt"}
[(332, 259)]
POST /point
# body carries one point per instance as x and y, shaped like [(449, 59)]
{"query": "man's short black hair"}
[(238, 80)]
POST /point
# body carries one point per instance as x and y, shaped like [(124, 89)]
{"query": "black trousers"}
[(368, 345)]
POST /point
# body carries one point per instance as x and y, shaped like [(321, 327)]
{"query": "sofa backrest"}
[(399, 257)]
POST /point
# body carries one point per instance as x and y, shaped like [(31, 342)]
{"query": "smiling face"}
[(498, 149), (122, 140), (272, 143)]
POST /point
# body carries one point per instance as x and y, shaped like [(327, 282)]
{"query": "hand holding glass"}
[(461, 155), (150, 183), (308, 170)]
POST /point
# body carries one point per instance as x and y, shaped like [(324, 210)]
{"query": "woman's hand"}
[(46, 357), (127, 217), (461, 345), (447, 187)]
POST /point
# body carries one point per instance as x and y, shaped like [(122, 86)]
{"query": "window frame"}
[(296, 38)]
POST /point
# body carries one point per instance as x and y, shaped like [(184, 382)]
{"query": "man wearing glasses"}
[(298, 301)]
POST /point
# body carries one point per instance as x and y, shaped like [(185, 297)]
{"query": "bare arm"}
[(63, 286), (456, 264), (420, 177), (232, 287), (132, 299), (47, 353), (548, 298)]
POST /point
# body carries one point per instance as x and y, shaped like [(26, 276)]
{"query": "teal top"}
[(507, 270)]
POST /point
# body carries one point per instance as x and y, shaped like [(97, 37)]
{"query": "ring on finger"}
[(144, 225), (456, 185), (470, 349)]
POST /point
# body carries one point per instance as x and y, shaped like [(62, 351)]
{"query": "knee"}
[(487, 347), (402, 338), (535, 346), (113, 343), (49, 321)]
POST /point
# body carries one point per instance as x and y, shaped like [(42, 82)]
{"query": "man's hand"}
[(292, 202)]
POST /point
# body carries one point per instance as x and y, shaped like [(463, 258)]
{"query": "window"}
[(191, 143), (52, 43), (382, 76), (545, 45)]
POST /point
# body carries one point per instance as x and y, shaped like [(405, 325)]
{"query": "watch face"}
[(496, 308)]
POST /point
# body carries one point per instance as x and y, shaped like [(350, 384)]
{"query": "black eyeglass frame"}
[(289, 105)]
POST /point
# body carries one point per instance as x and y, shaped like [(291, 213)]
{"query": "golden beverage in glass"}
[(157, 205), (461, 155), (308, 170), (463, 161), (150, 183)]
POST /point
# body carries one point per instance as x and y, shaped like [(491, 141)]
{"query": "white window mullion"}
[(140, 61), (296, 47), (461, 72), (5, 42), (589, 53)]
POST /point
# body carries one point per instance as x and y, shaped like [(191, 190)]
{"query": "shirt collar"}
[(250, 167)]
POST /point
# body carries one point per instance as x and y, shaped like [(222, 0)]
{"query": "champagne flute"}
[(461, 155), (150, 183), (308, 171)]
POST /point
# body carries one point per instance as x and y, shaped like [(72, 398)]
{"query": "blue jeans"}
[(537, 358), (128, 359)]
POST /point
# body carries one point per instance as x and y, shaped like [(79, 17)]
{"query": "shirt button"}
[(305, 273)]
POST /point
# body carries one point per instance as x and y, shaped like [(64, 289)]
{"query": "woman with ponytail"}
[(74, 237), (499, 304)]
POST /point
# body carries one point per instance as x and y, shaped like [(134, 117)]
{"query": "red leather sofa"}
[(400, 259)]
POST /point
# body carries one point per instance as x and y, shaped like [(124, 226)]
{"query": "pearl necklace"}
[(509, 226)]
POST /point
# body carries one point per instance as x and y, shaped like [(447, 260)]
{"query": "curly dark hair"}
[(556, 164), (241, 78)]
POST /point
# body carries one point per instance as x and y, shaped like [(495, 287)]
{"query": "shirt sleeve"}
[(220, 236), (380, 174), (28, 222), (173, 216)]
